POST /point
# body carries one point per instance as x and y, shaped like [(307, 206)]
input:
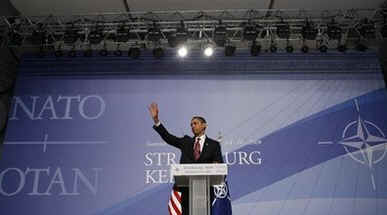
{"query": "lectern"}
[(199, 178)]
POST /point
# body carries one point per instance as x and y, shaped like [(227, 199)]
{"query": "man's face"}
[(197, 126)]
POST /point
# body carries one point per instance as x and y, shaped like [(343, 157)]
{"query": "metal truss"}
[(136, 28)]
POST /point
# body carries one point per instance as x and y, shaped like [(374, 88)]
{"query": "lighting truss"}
[(191, 28)]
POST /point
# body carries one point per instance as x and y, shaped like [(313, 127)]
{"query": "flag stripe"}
[(177, 195), (175, 208), (170, 209), (174, 204)]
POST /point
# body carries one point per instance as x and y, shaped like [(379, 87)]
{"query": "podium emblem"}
[(220, 191)]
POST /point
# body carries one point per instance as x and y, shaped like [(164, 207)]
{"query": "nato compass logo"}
[(365, 137), (220, 191)]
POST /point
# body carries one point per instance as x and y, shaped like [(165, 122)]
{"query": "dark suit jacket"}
[(211, 152)]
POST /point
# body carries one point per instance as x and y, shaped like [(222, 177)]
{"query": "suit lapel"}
[(205, 148)]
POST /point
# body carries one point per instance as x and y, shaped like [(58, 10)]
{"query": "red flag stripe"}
[(177, 195), (175, 208), (174, 204), (171, 211)]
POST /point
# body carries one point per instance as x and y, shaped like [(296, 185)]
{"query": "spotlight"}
[(182, 52), (323, 48), (342, 48), (88, 53), (82, 36), (220, 35), (255, 49), (283, 30), (273, 48), (158, 52), (229, 50), (95, 37), (250, 32), (334, 31), (208, 51), (367, 29), (309, 32), (122, 34), (179, 37), (181, 34), (103, 52), (305, 49), (154, 33), (134, 52), (70, 36), (38, 37), (361, 47), (289, 49), (15, 38)]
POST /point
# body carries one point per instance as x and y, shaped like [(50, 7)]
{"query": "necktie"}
[(197, 149)]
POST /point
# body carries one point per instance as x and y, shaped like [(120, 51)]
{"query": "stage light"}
[(95, 37), (179, 37), (15, 38), (208, 51), (334, 31), (103, 52), (154, 33), (182, 51), (134, 52), (361, 47), (158, 52), (289, 49), (305, 49), (220, 35), (342, 48), (229, 50), (38, 36), (323, 48), (255, 49), (273, 48), (250, 32), (70, 36), (367, 29), (122, 34), (283, 30), (309, 32)]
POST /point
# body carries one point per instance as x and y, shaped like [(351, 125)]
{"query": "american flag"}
[(174, 204)]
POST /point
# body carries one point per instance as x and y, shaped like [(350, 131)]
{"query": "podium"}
[(198, 178)]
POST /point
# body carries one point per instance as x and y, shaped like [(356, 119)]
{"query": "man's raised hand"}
[(154, 112)]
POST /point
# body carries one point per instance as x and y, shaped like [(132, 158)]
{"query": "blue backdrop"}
[(302, 134)]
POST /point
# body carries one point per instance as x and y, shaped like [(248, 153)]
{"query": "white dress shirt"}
[(201, 142)]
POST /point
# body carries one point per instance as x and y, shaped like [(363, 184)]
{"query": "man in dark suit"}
[(197, 149)]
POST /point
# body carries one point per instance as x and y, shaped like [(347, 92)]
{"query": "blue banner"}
[(301, 134)]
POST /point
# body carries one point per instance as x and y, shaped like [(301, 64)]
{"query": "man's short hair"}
[(199, 118)]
